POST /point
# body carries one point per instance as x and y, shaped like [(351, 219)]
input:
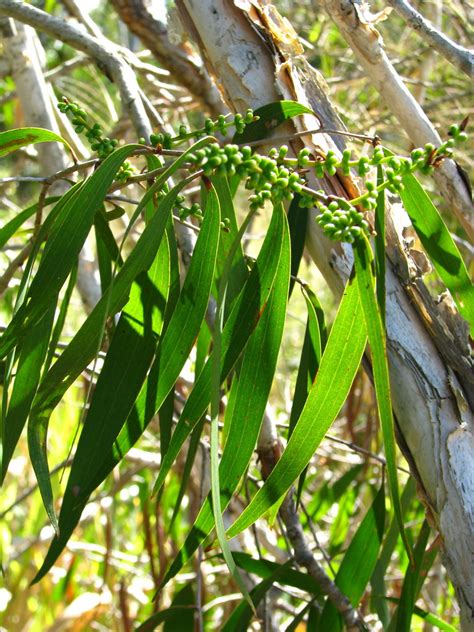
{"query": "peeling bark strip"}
[(255, 57)]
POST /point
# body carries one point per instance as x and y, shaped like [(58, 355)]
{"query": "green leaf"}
[(378, 346), (238, 273), (270, 116), (14, 139), (411, 583), (313, 346), (179, 616), (297, 222), (339, 365), (246, 406), (358, 563), (433, 620), (65, 241), (125, 367), (216, 363), (439, 245), (378, 600), (289, 576), (172, 353), (240, 618), (32, 355), (247, 310), (7, 231), (380, 244)]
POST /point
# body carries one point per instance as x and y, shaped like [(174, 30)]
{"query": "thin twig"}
[(457, 55), (320, 130)]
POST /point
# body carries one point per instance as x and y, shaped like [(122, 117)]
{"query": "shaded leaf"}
[(358, 563), (378, 346)]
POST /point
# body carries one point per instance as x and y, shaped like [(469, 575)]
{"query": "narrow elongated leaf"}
[(14, 139), (411, 583), (216, 363), (378, 345), (65, 241), (359, 562), (310, 355), (439, 245), (86, 342), (270, 116), (61, 319), (380, 244), (240, 618), (30, 361), (242, 320), (125, 367), (246, 406), (339, 365), (14, 224), (172, 353), (23, 288), (290, 577), (180, 615), (238, 272), (298, 222), (434, 620), (378, 599)]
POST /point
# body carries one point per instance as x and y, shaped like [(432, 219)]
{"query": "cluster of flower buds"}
[(221, 125), (341, 221), (276, 177), (102, 145)]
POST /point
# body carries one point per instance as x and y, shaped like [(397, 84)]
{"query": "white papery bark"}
[(256, 60), (364, 39), (21, 49)]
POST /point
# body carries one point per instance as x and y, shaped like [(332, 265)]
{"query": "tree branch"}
[(153, 33), (459, 56), (269, 450), (367, 46), (109, 57)]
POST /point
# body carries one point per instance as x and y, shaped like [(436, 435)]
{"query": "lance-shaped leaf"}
[(241, 322), (358, 563), (246, 406), (439, 245), (125, 367), (86, 344), (270, 116), (413, 581), (172, 353), (65, 241), (339, 364), (14, 224), (14, 139), (378, 345), (32, 355)]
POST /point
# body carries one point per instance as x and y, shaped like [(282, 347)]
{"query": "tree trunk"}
[(255, 57)]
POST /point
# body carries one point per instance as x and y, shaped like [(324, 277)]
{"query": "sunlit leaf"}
[(358, 562), (339, 364), (439, 245), (378, 346), (14, 139)]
